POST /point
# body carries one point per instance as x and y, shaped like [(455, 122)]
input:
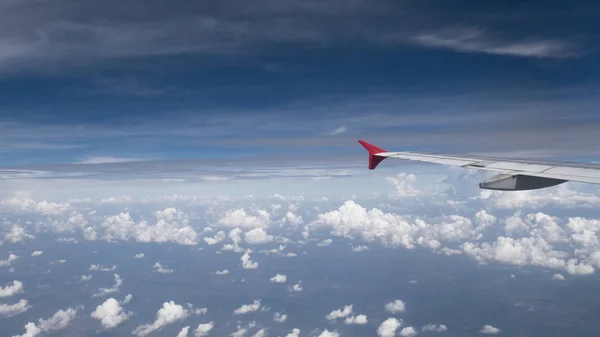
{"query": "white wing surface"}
[(515, 174)]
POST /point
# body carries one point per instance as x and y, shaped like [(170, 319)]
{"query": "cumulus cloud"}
[(359, 248), (59, 321), (396, 306), (403, 183), (358, 320), (294, 333), (139, 255), (279, 278), (340, 313), (489, 330), (184, 332), (219, 236), (297, 287), (170, 225), (98, 267), (17, 234), (388, 327), (408, 331), (11, 289), (279, 317), (204, 329), (558, 277), (248, 308), (325, 243), (434, 328), (9, 310), (222, 272), (327, 333), (239, 218), (168, 314), (85, 278), (159, 268), (247, 263), (9, 261), (260, 333), (111, 290), (37, 253), (110, 314), (257, 236)]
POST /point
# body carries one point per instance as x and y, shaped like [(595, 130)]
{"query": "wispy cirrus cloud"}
[(478, 41)]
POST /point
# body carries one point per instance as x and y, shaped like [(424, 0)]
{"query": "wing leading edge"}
[(515, 175)]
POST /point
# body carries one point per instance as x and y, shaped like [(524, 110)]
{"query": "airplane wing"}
[(514, 174)]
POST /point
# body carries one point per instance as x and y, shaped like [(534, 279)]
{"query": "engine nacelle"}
[(509, 182)]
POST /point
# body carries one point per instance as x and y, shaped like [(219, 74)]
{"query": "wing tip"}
[(373, 150)]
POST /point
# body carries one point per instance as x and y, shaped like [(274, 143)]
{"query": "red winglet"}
[(374, 159)]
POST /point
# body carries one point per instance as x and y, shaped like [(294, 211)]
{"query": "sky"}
[(207, 150)]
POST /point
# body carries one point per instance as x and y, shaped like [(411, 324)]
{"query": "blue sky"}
[(229, 80)]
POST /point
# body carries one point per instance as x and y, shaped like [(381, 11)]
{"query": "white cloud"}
[(203, 329), (340, 313), (327, 333), (127, 299), (293, 219), (240, 332), (31, 206), (408, 331), (388, 327), (296, 287), (434, 328), (159, 268), (396, 306), (525, 251), (236, 236), (489, 330), (475, 40), (98, 267), (279, 278), (31, 330), (248, 308), (338, 131), (558, 277), (294, 333), (9, 261), (261, 333), (359, 248), (239, 218), (257, 236), (403, 183), (184, 332), (222, 272), (219, 236), (11, 289), (9, 310), (85, 278), (111, 290), (18, 235), (325, 243), (59, 321), (139, 255), (358, 320), (247, 263), (168, 314), (171, 225), (279, 317), (37, 253), (110, 314)]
